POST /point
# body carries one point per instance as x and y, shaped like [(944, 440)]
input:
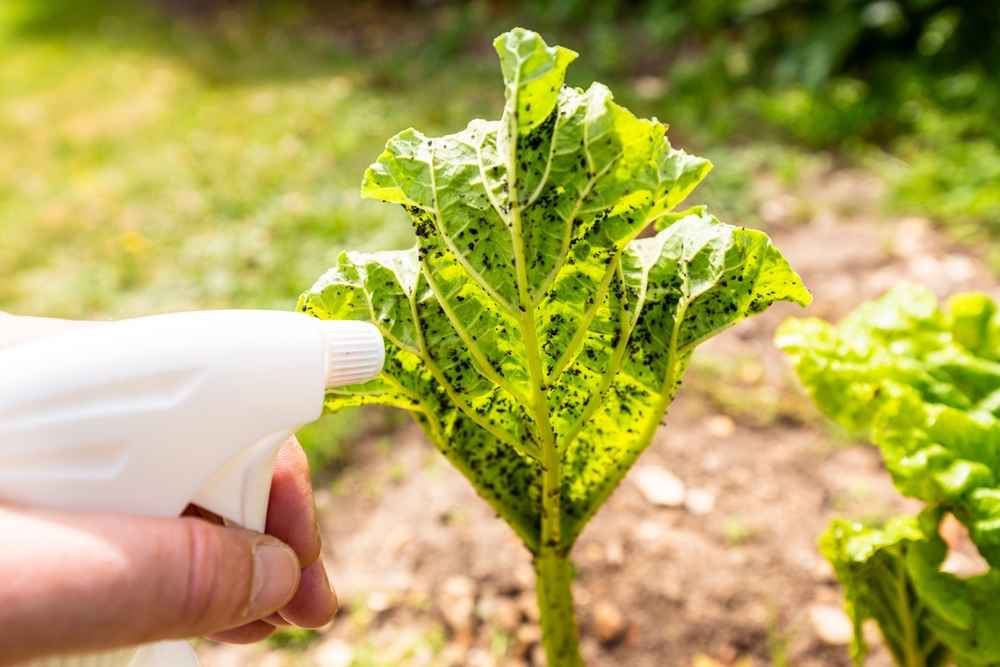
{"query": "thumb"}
[(93, 582)]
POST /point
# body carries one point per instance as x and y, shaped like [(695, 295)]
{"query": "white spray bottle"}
[(148, 415)]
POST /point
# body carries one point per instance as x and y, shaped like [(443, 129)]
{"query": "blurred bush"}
[(915, 80)]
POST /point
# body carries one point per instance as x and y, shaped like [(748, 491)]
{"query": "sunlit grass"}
[(132, 181)]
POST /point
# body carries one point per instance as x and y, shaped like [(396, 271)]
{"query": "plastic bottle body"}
[(146, 416)]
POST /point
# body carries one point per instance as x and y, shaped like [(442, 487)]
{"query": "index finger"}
[(291, 512)]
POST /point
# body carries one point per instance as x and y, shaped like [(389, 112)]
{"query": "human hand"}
[(75, 583)]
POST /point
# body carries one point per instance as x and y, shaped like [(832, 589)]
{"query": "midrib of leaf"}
[(522, 448), (597, 398), (666, 393), (548, 164), (629, 320), (641, 301), (420, 405), (551, 532), (487, 369), (573, 348), (576, 341), (567, 238), (649, 430)]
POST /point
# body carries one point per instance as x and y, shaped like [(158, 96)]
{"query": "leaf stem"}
[(555, 603), (908, 619)]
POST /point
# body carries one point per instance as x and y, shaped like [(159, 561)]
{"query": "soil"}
[(427, 575)]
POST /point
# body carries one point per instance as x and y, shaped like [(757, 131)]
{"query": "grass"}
[(137, 179)]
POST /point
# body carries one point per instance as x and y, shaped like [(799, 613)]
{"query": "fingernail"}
[(326, 575), (275, 576)]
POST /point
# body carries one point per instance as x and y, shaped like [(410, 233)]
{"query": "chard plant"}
[(535, 339), (925, 382)]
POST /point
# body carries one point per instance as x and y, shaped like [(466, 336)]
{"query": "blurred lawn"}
[(148, 167)]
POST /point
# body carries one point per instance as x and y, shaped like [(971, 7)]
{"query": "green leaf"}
[(535, 339), (964, 613), (926, 381), (871, 565), (900, 340)]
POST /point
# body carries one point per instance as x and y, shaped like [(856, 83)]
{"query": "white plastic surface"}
[(355, 352), (145, 416), (163, 654)]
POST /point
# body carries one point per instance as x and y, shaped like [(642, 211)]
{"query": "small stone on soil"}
[(712, 462), (831, 624), (720, 426), (477, 657), (699, 501), (524, 577), (529, 634), (456, 600), (823, 572), (378, 602), (649, 531), (609, 622), (615, 552), (529, 605), (594, 552), (506, 614), (871, 633), (659, 486), (333, 653), (453, 654)]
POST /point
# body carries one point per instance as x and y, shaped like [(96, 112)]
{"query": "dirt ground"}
[(427, 575)]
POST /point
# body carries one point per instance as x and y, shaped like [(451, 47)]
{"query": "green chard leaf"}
[(535, 339), (926, 382), (871, 565)]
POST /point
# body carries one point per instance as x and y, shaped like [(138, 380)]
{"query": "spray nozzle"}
[(354, 351)]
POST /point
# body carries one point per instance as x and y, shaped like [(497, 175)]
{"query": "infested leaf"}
[(535, 339)]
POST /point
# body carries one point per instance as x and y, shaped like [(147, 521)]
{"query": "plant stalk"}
[(555, 602), (555, 575)]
